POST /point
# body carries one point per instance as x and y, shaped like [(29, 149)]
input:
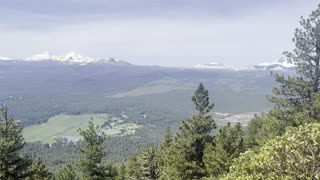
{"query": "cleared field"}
[(67, 126), (61, 125), (157, 87), (244, 118)]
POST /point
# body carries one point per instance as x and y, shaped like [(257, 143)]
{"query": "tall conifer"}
[(296, 94), (67, 173), (92, 153), (188, 146), (228, 144), (13, 165), (40, 171), (149, 162)]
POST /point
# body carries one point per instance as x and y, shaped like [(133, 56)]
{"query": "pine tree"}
[(297, 98), (201, 100), (296, 93), (67, 173), (122, 175), (39, 171), (228, 144), (149, 164), (165, 150), (167, 140), (188, 146), (13, 165), (262, 128), (92, 154), (134, 169)]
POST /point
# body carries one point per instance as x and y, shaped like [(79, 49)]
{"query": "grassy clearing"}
[(67, 126), (156, 87), (61, 125), (117, 126)]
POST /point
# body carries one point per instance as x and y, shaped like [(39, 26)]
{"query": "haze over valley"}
[(159, 90), (152, 97)]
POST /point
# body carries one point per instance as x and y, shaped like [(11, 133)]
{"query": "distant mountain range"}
[(76, 58), (280, 65), (70, 58)]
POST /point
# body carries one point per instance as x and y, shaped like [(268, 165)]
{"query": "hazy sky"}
[(153, 32)]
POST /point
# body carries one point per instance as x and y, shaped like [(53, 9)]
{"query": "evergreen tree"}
[(134, 169), (165, 146), (39, 171), (188, 146), (201, 100), (13, 165), (228, 144), (149, 164), (67, 173), (92, 154), (167, 140), (122, 175), (296, 93), (112, 172), (297, 98), (261, 129)]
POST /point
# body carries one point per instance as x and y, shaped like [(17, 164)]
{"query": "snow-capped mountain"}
[(214, 66), (74, 58), (280, 65), (5, 58), (43, 56)]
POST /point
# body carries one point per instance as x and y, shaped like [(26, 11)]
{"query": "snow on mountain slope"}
[(43, 56), (281, 62), (280, 65), (214, 66), (5, 58), (74, 58), (113, 61)]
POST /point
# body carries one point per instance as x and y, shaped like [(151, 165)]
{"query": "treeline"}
[(281, 144), (119, 149)]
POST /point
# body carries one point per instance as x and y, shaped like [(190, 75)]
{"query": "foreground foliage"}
[(67, 173), (228, 144), (40, 171), (295, 155)]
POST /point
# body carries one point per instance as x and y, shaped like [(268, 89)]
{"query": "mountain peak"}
[(214, 66), (74, 58), (42, 56), (279, 65)]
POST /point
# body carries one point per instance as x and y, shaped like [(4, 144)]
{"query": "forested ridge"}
[(283, 143)]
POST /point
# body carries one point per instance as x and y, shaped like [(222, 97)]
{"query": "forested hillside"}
[(36, 91), (281, 143)]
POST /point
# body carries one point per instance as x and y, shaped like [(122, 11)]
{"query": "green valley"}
[(66, 126)]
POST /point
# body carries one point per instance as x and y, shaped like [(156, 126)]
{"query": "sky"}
[(179, 33)]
